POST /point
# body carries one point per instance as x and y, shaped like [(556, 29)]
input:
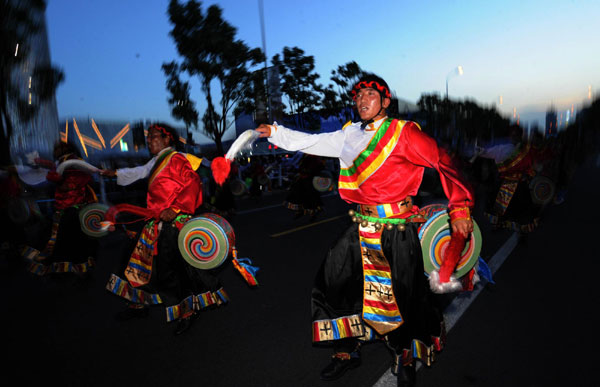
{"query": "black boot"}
[(340, 363)]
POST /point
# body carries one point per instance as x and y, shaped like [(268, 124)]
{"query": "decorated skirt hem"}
[(41, 269), (342, 328), (122, 288), (423, 352), (513, 226), (195, 303)]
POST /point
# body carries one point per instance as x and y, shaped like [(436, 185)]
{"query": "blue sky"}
[(532, 53)]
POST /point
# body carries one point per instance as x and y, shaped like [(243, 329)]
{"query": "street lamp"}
[(456, 71)]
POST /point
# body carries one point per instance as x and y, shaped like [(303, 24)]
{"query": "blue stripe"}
[(170, 313), (377, 317), (139, 267), (381, 211), (148, 245), (378, 279), (134, 296), (336, 332), (370, 246)]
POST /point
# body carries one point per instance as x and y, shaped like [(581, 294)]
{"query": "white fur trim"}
[(453, 285)]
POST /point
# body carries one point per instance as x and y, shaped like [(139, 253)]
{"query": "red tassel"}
[(452, 256), (220, 167)]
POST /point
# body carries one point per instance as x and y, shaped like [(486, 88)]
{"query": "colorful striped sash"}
[(139, 267), (514, 159), (505, 195), (160, 164), (380, 310), (373, 156)]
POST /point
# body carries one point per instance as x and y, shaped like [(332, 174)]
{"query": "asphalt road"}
[(533, 327)]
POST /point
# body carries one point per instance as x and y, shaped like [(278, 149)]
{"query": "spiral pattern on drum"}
[(206, 241), (201, 244), (322, 184), (542, 190), (90, 217)]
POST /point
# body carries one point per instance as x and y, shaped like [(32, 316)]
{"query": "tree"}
[(211, 52), (182, 106), (19, 22), (299, 84)]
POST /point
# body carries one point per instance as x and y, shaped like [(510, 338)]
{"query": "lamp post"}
[(456, 71)]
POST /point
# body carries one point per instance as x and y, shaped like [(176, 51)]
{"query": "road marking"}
[(461, 303), (306, 226)]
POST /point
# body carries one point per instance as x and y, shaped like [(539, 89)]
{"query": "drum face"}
[(238, 188), (435, 238), (206, 241), (90, 217), (323, 181), (542, 190)]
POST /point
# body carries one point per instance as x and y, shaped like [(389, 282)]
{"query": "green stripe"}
[(367, 152), (160, 160)]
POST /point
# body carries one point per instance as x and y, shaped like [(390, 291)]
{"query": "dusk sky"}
[(532, 53)]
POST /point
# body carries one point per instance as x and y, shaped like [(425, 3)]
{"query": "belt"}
[(386, 210), (383, 215)]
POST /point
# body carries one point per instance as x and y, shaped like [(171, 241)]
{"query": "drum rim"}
[(475, 243)]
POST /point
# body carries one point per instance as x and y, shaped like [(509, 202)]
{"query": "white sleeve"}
[(498, 152), (321, 144), (126, 176)]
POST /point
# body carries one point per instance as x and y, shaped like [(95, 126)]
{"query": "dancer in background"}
[(303, 198), (69, 249), (513, 208), (371, 283)]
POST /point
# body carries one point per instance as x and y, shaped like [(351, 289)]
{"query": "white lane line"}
[(461, 303)]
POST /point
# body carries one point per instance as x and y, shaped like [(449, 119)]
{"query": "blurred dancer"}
[(303, 198), (371, 284), (513, 208), (155, 272), (69, 249)]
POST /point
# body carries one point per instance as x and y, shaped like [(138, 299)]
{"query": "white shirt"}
[(344, 144), (126, 176)]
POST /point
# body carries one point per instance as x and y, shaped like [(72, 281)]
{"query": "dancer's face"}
[(156, 141), (368, 104)]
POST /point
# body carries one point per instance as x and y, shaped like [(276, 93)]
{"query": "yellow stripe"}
[(384, 274), (383, 155), (388, 209), (341, 328), (137, 261), (372, 241), (383, 312)]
